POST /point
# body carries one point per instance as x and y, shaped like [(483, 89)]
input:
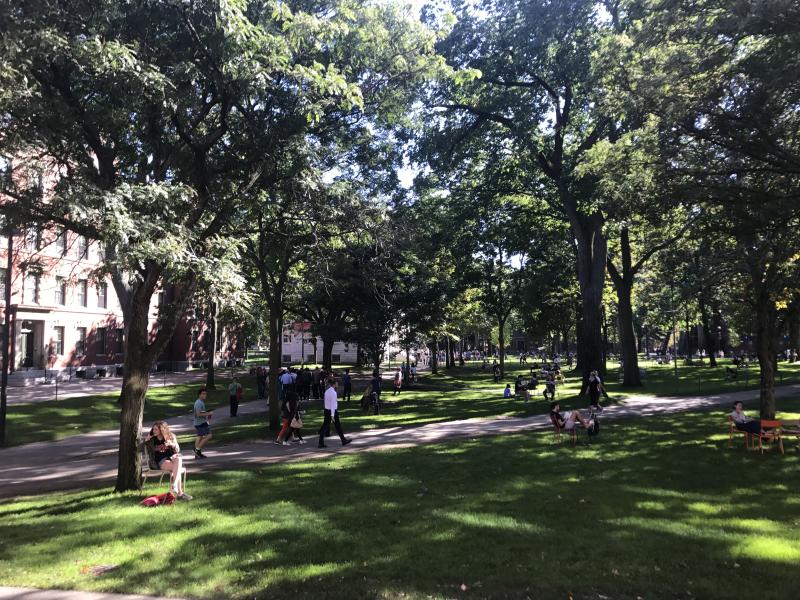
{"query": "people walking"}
[(234, 396), (331, 412), (201, 426), (375, 390), (398, 382), (347, 385)]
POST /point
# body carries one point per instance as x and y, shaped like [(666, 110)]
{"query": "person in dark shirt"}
[(166, 453), (347, 385), (375, 387)]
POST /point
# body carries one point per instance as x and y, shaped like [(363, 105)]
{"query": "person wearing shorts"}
[(166, 453), (201, 426), (568, 420)]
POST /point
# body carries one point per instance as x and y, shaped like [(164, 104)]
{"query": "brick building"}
[(66, 319)]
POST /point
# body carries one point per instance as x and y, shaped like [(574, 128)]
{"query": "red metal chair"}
[(558, 430), (733, 431), (771, 432)]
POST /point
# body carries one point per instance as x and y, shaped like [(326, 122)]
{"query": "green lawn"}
[(55, 419), (655, 509), (457, 393)]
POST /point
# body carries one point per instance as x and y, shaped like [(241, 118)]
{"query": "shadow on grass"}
[(659, 507)]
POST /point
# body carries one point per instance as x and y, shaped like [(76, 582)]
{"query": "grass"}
[(56, 419), (457, 393), (654, 509)]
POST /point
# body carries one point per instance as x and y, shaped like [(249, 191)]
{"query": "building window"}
[(33, 239), (82, 247), (82, 292), (161, 298), (101, 252), (195, 340), (120, 340), (3, 277), (31, 289), (102, 295), (100, 341), (58, 340), (80, 344), (61, 241), (61, 291), (287, 339)]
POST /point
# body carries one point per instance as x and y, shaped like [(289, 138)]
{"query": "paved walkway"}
[(11, 593), (78, 388), (90, 459)]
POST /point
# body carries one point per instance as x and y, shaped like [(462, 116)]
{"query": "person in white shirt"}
[(331, 414)]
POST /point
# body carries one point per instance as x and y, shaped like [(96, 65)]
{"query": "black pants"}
[(348, 389), (750, 427), (326, 426), (234, 405)]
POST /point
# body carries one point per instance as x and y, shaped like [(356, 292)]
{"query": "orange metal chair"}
[(733, 431), (771, 432), (557, 431)]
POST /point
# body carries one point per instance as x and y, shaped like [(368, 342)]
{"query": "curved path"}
[(91, 459)]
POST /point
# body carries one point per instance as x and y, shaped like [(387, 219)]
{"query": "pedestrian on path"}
[(288, 410), (234, 396), (261, 379), (595, 389), (331, 414), (398, 382), (201, 418), (347, 385)]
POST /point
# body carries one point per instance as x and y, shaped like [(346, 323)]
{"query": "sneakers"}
[(346, 441), (281, 443), (199, 454), (184, 496), (301, 441)]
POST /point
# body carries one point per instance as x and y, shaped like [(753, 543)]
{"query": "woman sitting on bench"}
[(166, 452), (568, 420), (742, 422)]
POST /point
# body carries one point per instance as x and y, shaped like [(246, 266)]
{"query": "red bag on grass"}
[(159, 500)]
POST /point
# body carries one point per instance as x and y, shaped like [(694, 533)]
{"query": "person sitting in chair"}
[(166, 453), (550, 387), (742, 422), (566, 421)]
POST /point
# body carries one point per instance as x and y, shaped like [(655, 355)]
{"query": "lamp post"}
[(10, 232)]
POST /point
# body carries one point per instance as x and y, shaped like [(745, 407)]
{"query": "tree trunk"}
[(627, 338), (327, 352), (212, 352), (591, 253), (134, 389), (710, 345), (434, 350), (794, 326), (501, 339), (359, 357), (451, 358), (275, 350), (765, 325), (408, 359), (623, 284), (376, 357), (135, 379)]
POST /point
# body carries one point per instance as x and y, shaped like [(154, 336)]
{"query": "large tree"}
[(523, 72), (130, 106)]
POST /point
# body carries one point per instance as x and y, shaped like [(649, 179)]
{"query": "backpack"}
[(159, 500)]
